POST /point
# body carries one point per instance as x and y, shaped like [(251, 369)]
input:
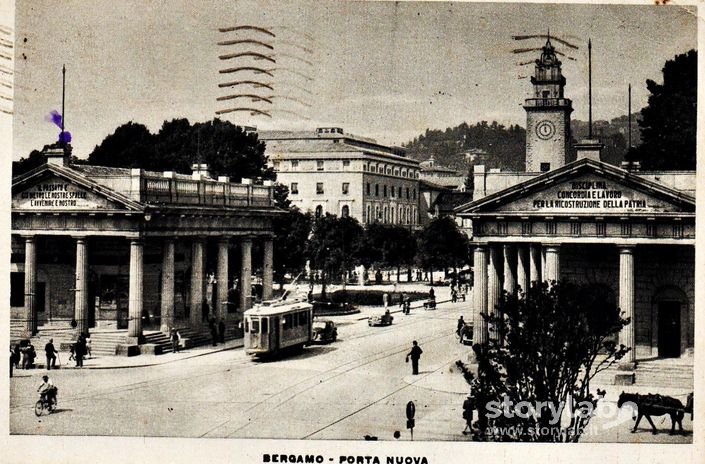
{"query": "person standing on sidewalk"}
[(214, 331), (174, 337), (80, 350), (51, 354), (414, 354)]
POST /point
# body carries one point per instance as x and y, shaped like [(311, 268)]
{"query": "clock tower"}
[(547, 115)]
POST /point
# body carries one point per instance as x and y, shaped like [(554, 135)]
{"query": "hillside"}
[(497, 146)]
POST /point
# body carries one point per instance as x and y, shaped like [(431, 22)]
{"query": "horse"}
[(655, 405)]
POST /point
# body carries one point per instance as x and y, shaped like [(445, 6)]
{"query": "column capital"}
[(224, 239), (626, 249), (80, 237), (28, 237)]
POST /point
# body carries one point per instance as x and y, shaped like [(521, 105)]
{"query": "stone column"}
[(626, 301), (268, 273), (30, 285), (494, 279), (167, 300), (80, 310), (553, 270), (246, 274), (523, 268), (479, 294), (222, 275), (535, 263), (197, 262), (134, 325), (510, 281)]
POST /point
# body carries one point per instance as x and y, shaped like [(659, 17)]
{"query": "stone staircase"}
[(17, 332), (104, 342), (657, 373), (672, 373)]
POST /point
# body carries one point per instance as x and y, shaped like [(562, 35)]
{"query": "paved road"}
[(356, 386)]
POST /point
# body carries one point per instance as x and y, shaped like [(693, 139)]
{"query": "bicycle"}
[(45, 404)]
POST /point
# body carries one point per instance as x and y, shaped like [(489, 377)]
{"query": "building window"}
[(319, 188), (545, 167), (319, 165), (385, 191), (376, 190), (346, 188), (396, 172), (414, 194), (601, 228), (294, 164), (319, 211), (368, 218), (391, 215), (378, 213), (677, 231), (650, 230), (407, 193), (346, 163), (392, 187), (294, 188), (575, 228), (386, 214), (368, 188), (551, 228), (276, 165), (345, 212)]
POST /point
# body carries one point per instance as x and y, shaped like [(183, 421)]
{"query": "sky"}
[(385, 70)]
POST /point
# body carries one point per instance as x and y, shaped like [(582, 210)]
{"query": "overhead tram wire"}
[(251, 96), (252, 111), (252, 83), (247, 28), (255, 55), (247, 68), (246, 41)]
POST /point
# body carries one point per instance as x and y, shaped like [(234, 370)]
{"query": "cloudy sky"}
[(386, 70)]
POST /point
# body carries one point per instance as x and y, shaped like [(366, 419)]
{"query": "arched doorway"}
[(345, 212), (669, 306)]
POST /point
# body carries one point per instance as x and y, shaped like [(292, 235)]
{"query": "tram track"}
[(323, 377)]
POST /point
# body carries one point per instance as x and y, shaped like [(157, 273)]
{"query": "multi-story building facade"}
[(330, 171)]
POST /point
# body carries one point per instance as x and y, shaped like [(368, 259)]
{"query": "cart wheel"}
[(38, 408)]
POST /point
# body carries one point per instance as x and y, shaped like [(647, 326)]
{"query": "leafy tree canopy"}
[(545, 346), (441, 244), (668, 122), (227, 149), (387, 245)]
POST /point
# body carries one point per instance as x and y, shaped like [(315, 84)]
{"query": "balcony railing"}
[(541, 102), (180, 191)]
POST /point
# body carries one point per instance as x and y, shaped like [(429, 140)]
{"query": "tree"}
[(334, 245), (388, 245), (668, 122), (544, 347), (35, 159), (441, 244), (291, 232), (227, 149)]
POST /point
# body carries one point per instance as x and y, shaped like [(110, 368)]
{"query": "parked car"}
[(324, 331), (380, 319)]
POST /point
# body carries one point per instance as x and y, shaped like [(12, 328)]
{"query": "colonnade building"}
[(627, 231), (123, 251)]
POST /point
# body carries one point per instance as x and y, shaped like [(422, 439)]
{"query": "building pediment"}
[(585, 187), (59, 189)]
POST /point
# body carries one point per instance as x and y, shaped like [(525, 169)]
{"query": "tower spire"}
[(590, 88)]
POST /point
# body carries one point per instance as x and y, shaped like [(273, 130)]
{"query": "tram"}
[(272, 326)]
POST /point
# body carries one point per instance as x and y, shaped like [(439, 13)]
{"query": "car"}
[(380, 319), (324, 331)]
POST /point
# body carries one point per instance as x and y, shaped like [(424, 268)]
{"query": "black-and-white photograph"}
[(360, 221)]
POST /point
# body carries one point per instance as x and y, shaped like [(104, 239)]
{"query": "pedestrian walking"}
[(454, 295), (221, 331), (414, 354), (17, 356), (385, 299), (51, 354), (461, 324), (468, 408), (174, 337), (205, 310), (80, 350)]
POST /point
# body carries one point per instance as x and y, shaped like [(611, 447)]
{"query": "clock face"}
[(545, 130)]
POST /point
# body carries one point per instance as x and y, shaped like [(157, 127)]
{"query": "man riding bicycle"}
[(47, 390)]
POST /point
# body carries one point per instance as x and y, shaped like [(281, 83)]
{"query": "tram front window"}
[(265, 326), (255, 326)]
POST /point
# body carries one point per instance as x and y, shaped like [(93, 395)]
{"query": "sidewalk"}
[(123, 362)]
